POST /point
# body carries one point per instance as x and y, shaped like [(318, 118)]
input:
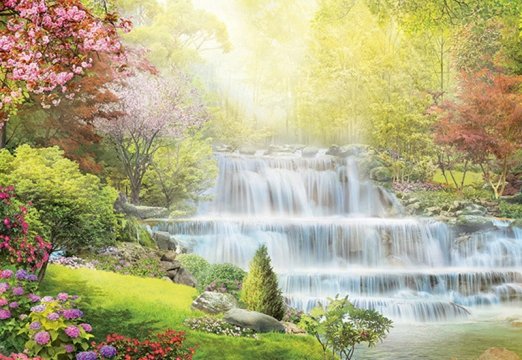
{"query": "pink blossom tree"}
[(44, 45), (152, 110)]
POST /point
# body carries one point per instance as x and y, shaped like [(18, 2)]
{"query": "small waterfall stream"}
[(330, 230)]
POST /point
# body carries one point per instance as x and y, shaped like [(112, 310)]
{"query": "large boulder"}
[(309, 151), (498, 354), (253, 320), (471, 223), (164, 240), (182, 276), (214, 302)]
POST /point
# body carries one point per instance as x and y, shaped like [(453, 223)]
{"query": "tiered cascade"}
[(330, 230)]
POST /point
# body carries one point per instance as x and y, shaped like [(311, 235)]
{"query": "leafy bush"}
[(340, 326), (55, 328), (260, 289), (130, 230), (292, 315), (75, 210), (513, 211), (195, 265), (17, 245), (166, 345), (17, 295), (218, 327), (144, 266), (226, 278)]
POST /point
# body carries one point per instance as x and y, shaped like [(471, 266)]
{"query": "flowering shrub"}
[(218, 327), (16, 245), (18, 357), (167, 345), (55, 328), (72, 262), (292, 315), (146, 266), (17, 295)]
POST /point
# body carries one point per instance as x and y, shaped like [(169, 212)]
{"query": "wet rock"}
[(291, 328), (164, 241), (309, 151), (498, 354), (247, 150), (170, 265), (517, 323), (353, 150), (471, 223), (214, 302), (253, 320), (182, 276), (223, 148), (333, 150), (169, 256)]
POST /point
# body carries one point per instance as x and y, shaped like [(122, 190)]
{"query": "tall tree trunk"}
[(3, 130)]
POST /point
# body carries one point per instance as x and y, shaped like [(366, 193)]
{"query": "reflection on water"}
[(435, 341)]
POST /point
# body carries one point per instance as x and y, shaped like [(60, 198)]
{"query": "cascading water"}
[(329, 230)]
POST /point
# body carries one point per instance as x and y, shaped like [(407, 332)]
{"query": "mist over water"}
[(329, 230)]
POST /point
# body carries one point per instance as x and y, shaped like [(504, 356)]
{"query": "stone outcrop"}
[(253, 320), (214, 302)]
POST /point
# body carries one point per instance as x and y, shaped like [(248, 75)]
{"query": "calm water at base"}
[(444, 341)]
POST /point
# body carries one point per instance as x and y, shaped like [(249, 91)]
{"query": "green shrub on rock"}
[(260, 288), (195, 265), (226, 278)]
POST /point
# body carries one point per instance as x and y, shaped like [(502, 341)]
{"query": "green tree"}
[(75, 210), (260, 290), (180, 172), (339, 326)]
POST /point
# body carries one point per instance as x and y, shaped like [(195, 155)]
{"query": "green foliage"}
[(131, 230), (223, 278), (145, 266), (195, 265), (75, 210), (509, 210), (260, 290), (134, 306), (339, 326), (180, 173)]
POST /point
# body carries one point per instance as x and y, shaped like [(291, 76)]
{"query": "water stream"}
[(329, 230)]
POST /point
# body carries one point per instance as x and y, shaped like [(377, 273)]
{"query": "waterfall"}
[(330, 230)]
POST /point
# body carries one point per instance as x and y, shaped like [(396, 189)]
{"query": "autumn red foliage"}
[(485, 123)]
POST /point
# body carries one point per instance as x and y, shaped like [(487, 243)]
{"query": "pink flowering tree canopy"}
[(44, 45), (151, 110)]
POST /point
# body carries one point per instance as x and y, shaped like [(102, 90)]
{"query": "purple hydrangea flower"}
[(21, 274), (69, 348), (3, 302), (6, 274), (108, 351), (42, 338), (23, 317), (53, 316), (71, 314), (62, 296), (32, 277), (4, 314), (47, 299), (33, 297), (18, 291), (86, 355), (35, 325), (4, 287), (38, 308), (86, 327), (14, 305), (72, 331)]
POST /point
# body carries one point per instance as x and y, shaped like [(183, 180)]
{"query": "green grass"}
[(472, 178), (134, 306)]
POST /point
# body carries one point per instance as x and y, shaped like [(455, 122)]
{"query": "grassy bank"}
[(134, 306)]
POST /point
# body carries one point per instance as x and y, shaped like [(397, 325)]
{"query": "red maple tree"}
[(484, 122)]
